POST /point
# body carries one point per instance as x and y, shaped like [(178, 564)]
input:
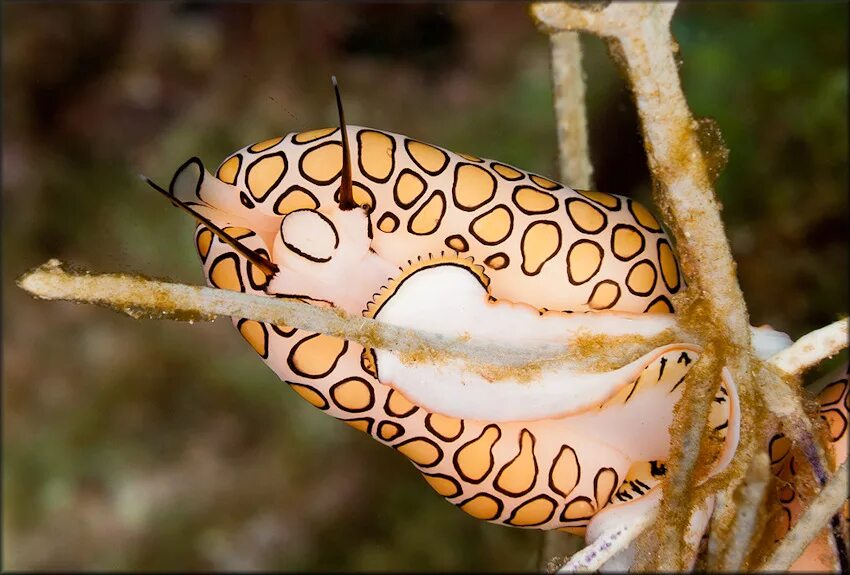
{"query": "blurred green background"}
[(159, 445)]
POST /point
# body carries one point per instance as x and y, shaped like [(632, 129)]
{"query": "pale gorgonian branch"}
[(568, 88), (605, 547), (812, 348), (145, 298), (639, 33), (747, 499), (640, 38), (576, 170)]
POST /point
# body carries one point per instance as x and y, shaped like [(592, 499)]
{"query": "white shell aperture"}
[(449, 300)]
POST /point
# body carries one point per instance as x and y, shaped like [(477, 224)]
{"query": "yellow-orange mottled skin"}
[(533, 239), (795, 482)]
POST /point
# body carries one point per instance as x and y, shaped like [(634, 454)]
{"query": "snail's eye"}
[(310, 235)]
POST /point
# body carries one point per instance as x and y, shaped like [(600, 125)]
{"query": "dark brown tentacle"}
[(266, 266), (346, 191)]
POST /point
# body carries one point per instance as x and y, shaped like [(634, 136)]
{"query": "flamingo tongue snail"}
[(383, 225), (824, 553)]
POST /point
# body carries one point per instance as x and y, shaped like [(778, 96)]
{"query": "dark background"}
[(159, 445)]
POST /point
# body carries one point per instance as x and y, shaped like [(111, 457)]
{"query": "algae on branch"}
[(715, 153)]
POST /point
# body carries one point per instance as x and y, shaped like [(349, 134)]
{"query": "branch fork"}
[(639, 36)]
